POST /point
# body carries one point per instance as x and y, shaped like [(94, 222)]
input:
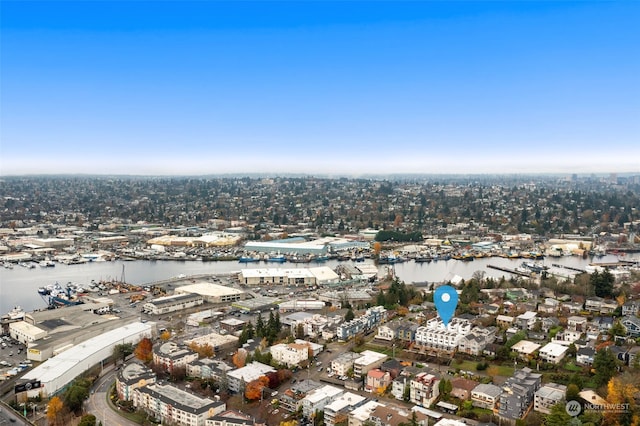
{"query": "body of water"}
[(19, 286)]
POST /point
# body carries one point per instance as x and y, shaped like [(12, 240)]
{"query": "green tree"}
[(573, 392), (558, 415), (602, 283), (88, 420), (349, 315), (605, 365), (122, 351), (74, 396), (260, 328)]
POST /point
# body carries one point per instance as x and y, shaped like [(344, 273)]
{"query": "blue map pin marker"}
[(446, 300)]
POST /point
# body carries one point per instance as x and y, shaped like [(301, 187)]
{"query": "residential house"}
[(486, 396), (291, 398), (546, 324), (377, 380), (504, 321), (371, 318), (550, 306), (424, 389), (362, 414), (548, 396), (631, 308), (631, 325), (477, 339), (593, 304), (553, 352), (525, 349), (577, 323), (571, 307), (387, 332), (462, 388), (518, 394), (407, 331), (608, 306), (527, 320), (398, 386), (567, 337), (584, 356)]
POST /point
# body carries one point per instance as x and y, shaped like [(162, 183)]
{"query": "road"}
[(98, 404), (8, 417)]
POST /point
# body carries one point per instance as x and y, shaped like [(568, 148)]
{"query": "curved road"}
[(98, 404)]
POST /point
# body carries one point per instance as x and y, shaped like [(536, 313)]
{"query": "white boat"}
[(17, 313)]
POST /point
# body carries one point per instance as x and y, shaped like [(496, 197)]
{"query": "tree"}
[(88, 420), (144, 350), (165, 335), (558, 415), (74, 396), (122, 351), (621, 390), (239, 358), (254, 388), (605, 365), (573, 392), (54, 410), (349, 315), (602, 283)]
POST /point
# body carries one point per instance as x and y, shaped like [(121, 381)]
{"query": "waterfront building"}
[(172, 405), (167, 304), (212, 293), (26, 333), (321, 275)]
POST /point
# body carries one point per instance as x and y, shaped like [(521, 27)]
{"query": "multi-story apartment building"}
[(477, 339), (371, 318), (170, 356), (548, 396), (238, 378), (343, 363), (368, 360), (434, 336), (290, 354), (131, 377), (486, 396), (171, 405), (518, 394), (338, 410), (318, 398), (424, 389)]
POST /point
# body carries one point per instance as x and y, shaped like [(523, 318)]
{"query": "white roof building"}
[(525, 348), (318, 398), (212, 293), (246, 374), (57, 372), (553, 352)]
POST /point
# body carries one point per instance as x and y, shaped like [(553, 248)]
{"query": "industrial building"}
[(164, 305), (212, 293), (57, 372), (322, 275)]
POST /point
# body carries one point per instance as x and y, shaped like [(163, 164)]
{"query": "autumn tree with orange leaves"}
[(144, 350), (203, 351), (253, 390), (54, 410), (239, 358)]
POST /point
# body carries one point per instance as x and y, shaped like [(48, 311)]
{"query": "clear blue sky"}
[(319, 87)]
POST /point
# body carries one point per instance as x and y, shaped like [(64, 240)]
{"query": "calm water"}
[(18, 286)]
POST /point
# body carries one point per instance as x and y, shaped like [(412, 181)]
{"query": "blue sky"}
[(346, 87)]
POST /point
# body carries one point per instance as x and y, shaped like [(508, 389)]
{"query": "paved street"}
[(99, 406)]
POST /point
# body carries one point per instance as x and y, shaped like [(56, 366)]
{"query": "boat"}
[(248, 259), (423, 258), (47, 264), (534, 267), (279, 258), (15, 314), (44, 291)]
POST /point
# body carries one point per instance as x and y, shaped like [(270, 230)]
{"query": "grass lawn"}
[(502, 370), (380, 348), (570, 366)]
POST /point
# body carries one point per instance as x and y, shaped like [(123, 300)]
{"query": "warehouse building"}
[(322, 275), (212, 293), (164, 305), (57, 372)]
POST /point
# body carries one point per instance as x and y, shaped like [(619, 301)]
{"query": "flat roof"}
[(178, 398), (208, 289), (554, 349), (58, 365), (525, 346)]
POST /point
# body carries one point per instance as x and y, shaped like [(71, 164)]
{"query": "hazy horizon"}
[(319, 88)]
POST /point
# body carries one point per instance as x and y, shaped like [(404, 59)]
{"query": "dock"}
[(557, 265), (614, 264), (511, 271)]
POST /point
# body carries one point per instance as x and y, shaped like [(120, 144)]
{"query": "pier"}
[(557, 265), (614, 264), (511, 271)]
